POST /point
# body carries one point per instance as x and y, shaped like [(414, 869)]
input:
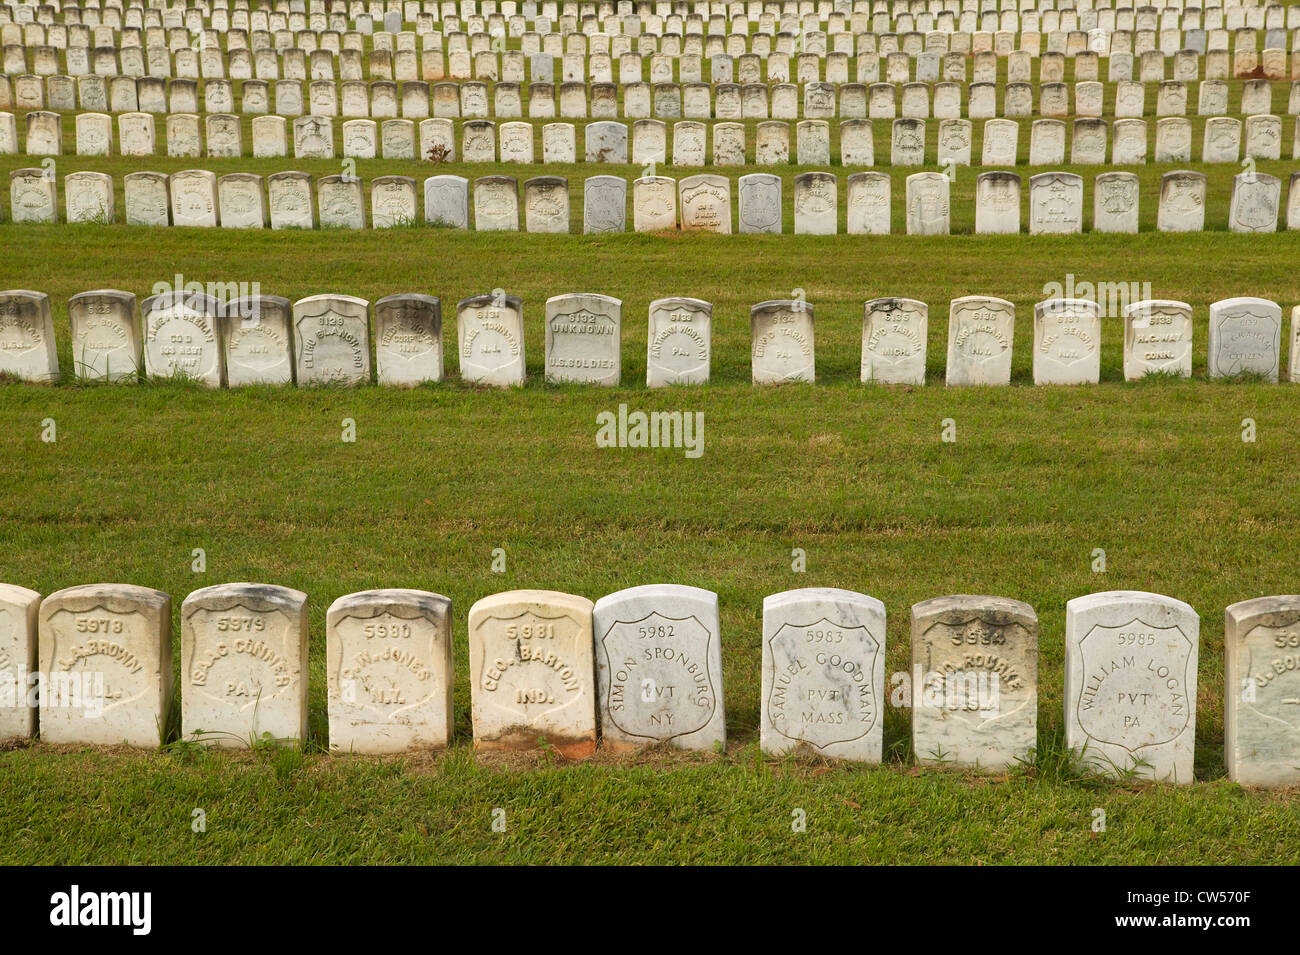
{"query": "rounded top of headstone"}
[(974, 603), (398, 602), (1108, 598), (802, 595), (257, 597), (14, 594), (114, 597), (539, 598), (680, 592)]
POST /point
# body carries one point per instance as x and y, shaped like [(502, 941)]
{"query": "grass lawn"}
[(1156, 473)]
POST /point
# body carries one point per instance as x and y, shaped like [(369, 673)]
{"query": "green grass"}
[(1154, 472)]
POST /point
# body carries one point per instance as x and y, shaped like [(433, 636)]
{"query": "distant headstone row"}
[(220, 136), (701, 203), (327, 339), (93, 665), (89, 43), (414, 99)]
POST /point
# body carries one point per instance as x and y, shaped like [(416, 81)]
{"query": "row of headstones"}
[(643, 666), (197, 197), (898, 68), (729, 33), (606, 142), (662, 18), (488, 57), (385, 100), (322, 339), (859, 15), (625, 16), (718, 40)]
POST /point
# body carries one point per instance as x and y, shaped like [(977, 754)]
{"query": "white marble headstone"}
[(659, 668), (782, 345), (1261, 720), (532, 673), (679, 342), (105, 658), (823, 685), (1130, 683), (490, 339), (583, 338), (389, 671), (243, 664), (1157, 339), (974, 681)]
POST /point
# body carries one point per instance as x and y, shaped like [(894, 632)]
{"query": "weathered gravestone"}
[(1067, 342), (1115, 202), (823, 685), (583, 338), (331, 336), (531, 672), (408, 339), (389, 671), (659, 668), (290, 200), (868, 204), (1055, 203), (244, 664), (604, 204), (1293, 366), (18, 642), (927, 204), (105, 660), (446, 201), (496, 204), (88, 197), (1261, 719), (241, 197), (106, 342), (894, 337), (706, 203), (194, 198), (782, 346), (679, 342), (1222, 140), (1182, 202), (182, 337), (997, 203), (392, 202), (816, 205), (760, 203), (490, 339), (654, 204), (974, 681), (546, 204), (33, 196), (1256, 200), (27, 347), (980, 336), (1001, 139), (257, 334), (1157, 339), (147, 198), (1245, 337), (341, 202), (1130, 683)]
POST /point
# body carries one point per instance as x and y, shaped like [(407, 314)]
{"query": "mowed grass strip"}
[(1155, 473)]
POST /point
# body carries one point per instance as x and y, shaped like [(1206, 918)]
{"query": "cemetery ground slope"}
[(1155, 473)]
